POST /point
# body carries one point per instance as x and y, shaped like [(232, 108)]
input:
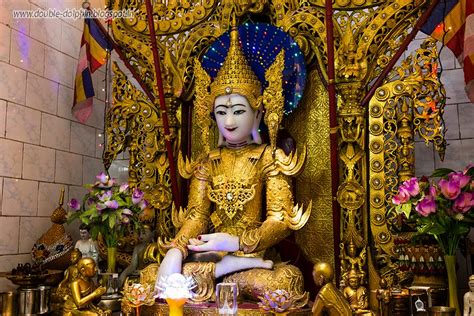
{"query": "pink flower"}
[(426, 206), (112, 204), (449, 188), (123, 187), (102, 177), (412, 186), (127, 212), (143, 204), (74, 204), (432, 191), (463, 202), (401, 197), (461, 178), (137, 196), (104, 181), (106, 196)]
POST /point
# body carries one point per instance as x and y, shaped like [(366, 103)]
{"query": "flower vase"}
[(176, 306), (111, 259), (450, 262)]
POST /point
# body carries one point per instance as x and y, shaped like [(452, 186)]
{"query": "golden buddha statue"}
[(70, 275), (356, 293), (329, 299), (224, 232), (84, 292)]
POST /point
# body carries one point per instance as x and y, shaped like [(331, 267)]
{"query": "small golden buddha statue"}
[(70, 274), (229, 185), (384, 296), (84, 292), (355, 293), (329, 299)]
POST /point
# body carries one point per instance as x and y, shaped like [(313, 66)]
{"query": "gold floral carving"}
[(410, 103)]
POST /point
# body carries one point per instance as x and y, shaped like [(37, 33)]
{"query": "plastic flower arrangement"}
[(109, 209), (442, 205)]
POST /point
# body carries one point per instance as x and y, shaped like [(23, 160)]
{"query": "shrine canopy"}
[(260, 44)]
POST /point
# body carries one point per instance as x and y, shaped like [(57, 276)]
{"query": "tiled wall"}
[(42, 147)]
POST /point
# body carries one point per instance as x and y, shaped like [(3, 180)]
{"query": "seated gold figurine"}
[(356, 293), (225, 230), (329, 300), (70, 274), (84, 292)]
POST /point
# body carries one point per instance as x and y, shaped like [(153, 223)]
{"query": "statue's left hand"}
[(215, 242)]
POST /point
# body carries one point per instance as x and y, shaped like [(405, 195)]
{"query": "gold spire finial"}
[(236, 75)]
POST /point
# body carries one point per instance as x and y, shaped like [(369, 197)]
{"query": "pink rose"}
[(460, 177), (401, 197), (426, 206), (463, 202), (449, 188), (432, 191), (412, 186)]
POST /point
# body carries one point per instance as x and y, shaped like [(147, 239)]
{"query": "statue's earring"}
[(221, 140)]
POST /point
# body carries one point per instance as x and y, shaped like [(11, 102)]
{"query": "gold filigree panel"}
[(348, 4), (412, 103), (309, 125)]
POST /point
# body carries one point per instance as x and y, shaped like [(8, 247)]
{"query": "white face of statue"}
[(84, 234), (235, 118)]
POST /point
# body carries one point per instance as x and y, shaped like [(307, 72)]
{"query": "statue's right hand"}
[(171, 263)]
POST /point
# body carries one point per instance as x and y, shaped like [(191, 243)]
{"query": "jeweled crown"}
[(236, 75)]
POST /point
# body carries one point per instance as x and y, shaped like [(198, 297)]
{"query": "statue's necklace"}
[(237, 145)]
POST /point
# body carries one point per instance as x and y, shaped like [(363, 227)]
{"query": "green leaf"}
[(111, 221), (441, 172), (105, 216), (470, 172), (460, 229), (406, 209)]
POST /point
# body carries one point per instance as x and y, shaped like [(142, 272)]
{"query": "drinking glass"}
[(226, 298)]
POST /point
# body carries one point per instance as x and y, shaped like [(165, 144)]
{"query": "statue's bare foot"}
[(231, 264)]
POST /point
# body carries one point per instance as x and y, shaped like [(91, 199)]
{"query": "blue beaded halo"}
[(260, 44)]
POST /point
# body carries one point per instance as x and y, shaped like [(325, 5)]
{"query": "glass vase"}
[(111, 259), (450, 262)]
